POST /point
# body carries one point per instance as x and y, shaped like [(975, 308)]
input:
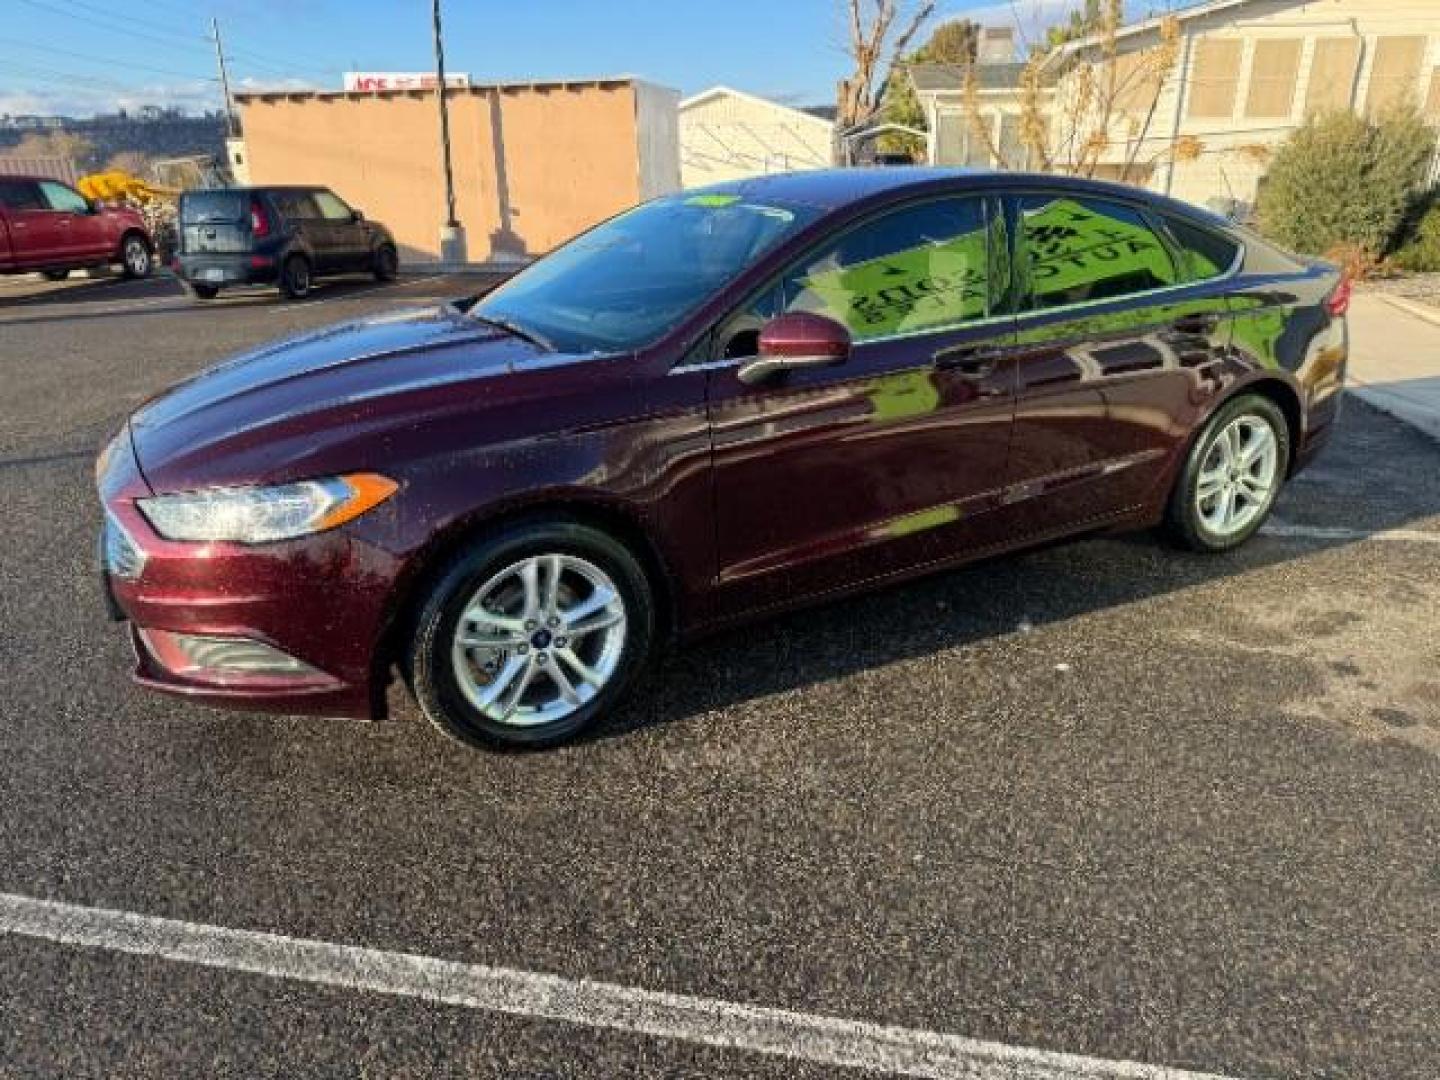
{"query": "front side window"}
[(1082, 250), (332, 207), (917, 269), (627, 281), (61, 197), (21, 195), (296, 206)]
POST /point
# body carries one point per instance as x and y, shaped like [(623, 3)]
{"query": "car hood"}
[(260, 416)]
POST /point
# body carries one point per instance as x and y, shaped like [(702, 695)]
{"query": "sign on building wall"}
[(363, 81)]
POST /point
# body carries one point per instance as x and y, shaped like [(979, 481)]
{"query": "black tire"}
[(387, 263), (205, 292), (1183, 520), (136, 258), (295, 277), (428, 665), (54, 275)]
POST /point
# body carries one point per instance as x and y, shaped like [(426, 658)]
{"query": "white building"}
[(726, 134)]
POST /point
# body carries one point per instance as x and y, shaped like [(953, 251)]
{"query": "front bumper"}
[(321, 600)]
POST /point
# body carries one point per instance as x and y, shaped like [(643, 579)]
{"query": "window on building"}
[(1273, 73), (920, 268), (1215, 78), (1332, 74), (1081, 250), (1137, 83), (1013, 154), (1395, 74), (1205, 253)]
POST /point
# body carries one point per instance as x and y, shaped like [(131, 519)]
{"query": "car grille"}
[(122, 558)]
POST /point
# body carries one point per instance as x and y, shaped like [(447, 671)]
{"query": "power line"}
[(129, 64)]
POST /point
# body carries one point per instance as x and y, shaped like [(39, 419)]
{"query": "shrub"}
[(1420, 253), (1344, 181)]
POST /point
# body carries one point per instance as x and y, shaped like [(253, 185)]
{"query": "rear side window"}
[(917, 269), (203, 206), (1206, 254), (21, 195), (295, 205), (1082, 250)]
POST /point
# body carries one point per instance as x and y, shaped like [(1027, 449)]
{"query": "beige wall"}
[(533, 165)]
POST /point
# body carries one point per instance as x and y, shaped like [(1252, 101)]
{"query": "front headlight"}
[(259, 515)]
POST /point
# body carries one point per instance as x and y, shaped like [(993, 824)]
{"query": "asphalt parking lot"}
[(1104, 799)]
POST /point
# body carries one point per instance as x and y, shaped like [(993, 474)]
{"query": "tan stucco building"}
[(534, 163), (728, 134), (1247, 75)]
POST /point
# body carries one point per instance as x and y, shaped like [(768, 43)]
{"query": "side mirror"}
[(357, 215), (93, 206), (796, 340)]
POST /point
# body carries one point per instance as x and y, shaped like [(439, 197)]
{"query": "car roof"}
[(832, 189), (255, 189), (26, 178)]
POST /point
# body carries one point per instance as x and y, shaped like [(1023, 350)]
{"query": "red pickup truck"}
[(50, 227)]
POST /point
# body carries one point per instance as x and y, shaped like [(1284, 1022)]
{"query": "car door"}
[(348, 241), (302, 215), (34, 235), (1112, 342), (826, 477), (79, 229)]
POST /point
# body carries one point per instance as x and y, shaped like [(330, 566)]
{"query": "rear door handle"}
[(1202, 323)]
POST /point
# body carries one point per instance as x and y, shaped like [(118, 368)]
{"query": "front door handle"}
[(969, 361)]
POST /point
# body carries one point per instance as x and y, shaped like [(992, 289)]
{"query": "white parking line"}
[(1326, 532), (821, 1039)]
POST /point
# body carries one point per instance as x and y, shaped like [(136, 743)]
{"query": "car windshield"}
[(624, 283)]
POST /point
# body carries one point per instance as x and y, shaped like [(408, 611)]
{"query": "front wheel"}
[(387, 263), (295, 277), (135, 258), (530, 636), (1232, 476)]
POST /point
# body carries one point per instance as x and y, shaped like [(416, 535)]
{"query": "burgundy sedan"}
[(720, 404)]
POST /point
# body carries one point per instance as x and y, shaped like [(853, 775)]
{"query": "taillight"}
[(259, 220), (1339, 300)]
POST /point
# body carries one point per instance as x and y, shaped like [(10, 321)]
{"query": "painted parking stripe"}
[(1284, 530), (820, 1039)]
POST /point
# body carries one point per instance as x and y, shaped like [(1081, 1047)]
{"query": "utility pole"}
[(224, 78), (452, 233)]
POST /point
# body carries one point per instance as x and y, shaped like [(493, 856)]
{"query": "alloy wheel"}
[(539, 640), (1238, 477)]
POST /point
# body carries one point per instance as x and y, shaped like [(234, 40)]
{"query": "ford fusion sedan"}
[(720, 404)]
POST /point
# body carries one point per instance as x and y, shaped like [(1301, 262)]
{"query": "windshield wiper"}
[(517, 330)]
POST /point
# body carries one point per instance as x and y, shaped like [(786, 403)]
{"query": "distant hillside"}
[(162, 136)]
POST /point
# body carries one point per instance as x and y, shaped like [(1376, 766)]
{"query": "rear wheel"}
[(387, 263), (205, 292), (135, 258), (54, 275), (1232, 477), (530, 636), (295, 277)]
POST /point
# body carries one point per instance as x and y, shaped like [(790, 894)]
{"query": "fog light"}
[(209, 654)]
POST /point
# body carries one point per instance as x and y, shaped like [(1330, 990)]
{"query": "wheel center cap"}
[(541, 639)]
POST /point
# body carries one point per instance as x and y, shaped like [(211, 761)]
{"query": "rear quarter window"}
[(1204, 253), (201, 206)]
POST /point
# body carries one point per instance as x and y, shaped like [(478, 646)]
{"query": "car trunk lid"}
[(215, 222)]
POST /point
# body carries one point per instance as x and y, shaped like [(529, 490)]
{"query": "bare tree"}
[(874, 34)]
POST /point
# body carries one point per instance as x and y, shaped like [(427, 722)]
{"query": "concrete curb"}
[(1421, 310), (1426, 421)]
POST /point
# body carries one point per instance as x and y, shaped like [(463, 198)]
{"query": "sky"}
[(78, 57)]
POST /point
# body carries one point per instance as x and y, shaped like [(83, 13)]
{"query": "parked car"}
[(287, 236), (50, 227), (720, 404)]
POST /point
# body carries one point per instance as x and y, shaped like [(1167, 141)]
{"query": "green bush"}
[(1343, 180), (1420, 251)]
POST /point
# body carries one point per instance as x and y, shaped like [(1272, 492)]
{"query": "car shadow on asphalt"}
[(1332, 505)]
